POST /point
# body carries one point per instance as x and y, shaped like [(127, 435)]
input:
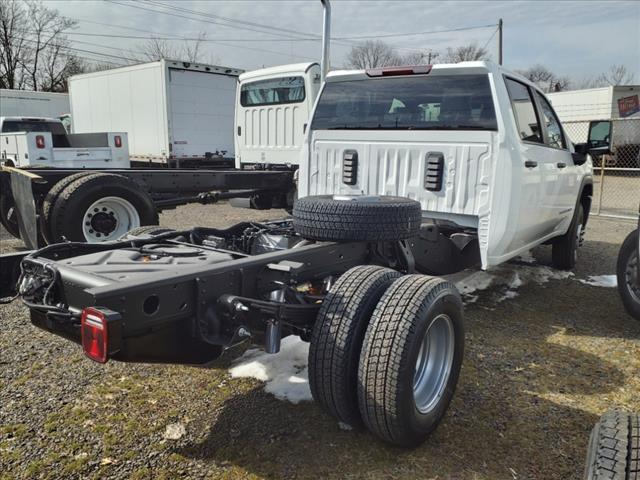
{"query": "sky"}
[(578, 39)]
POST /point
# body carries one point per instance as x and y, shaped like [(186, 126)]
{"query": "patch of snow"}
[(285, 374), (526, 257), (607, 281), (468, 283), (174, 431)]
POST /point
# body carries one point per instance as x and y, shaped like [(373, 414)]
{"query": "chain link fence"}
[(616, 191)]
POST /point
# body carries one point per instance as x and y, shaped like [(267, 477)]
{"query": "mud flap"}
[(21, 188)]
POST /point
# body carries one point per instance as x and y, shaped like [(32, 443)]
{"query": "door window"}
[(524, 111), (555, 138)]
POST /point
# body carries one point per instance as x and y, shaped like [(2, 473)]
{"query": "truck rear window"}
[(274, 91), (442, 102), (9, 126)]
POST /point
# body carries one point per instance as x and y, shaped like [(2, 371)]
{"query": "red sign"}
[(627, 106)]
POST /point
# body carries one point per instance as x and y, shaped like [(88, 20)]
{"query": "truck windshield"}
[(443, 102), (56, 128), (272, 92)]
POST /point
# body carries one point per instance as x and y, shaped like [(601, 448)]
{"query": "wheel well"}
[(585, 200)]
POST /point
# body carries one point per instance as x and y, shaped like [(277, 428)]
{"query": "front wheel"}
[(410, 359), (627, 273), (564, 253)]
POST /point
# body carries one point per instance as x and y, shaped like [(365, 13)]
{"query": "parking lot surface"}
[(545, 356)]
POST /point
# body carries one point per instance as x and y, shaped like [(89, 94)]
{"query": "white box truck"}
[(173, 111), (619, 104), (26, 103)]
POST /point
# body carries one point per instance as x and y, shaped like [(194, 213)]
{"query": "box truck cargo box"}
[(171, 110), (25, 103)]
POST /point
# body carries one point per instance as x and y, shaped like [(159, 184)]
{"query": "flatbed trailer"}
[(47, 205)]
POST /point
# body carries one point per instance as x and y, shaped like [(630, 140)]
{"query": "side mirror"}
[(599, 139)]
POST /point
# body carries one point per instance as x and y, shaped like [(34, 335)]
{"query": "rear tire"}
[(337, 336), (8, 216), (411, 358), (627, 273), (564, 253), (356, 218), (50, 200), (100, 207), (614, 448)]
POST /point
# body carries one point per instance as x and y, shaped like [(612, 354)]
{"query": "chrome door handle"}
[(530, 164), (561, 165)]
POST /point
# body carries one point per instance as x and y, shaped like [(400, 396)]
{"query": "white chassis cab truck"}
[(406, 173), (479, 147)]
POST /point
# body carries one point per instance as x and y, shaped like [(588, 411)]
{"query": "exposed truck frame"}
[(24, 193)]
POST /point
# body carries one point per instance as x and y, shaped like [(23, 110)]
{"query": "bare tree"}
[(372, 54), (616, 75), (545, 79), (425, 57), (13, 43), (46, 27), (157, 49), (34, 52), (466, 53)]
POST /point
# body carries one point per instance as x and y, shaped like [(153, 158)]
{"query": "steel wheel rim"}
[(631, 277), (108, 219), (434, 364)]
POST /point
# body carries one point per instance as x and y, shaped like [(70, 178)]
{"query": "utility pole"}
[(431, 55), (500, 42)]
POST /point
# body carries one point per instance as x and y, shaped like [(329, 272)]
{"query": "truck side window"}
[(554, 131), (525, 111)]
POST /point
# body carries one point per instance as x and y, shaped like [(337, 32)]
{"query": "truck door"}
[(538, 175), (561, 179)]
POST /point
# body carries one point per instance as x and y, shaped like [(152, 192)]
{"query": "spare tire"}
[(100, 207), (356, 218)]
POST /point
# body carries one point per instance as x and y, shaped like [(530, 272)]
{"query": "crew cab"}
[(479, 147), (44, 142), (408, 173)]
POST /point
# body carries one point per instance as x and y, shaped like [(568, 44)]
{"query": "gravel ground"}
[(539, 370)]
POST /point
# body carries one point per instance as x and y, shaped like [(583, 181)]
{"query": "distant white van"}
[(272, 110)]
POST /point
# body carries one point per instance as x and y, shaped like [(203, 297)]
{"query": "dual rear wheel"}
[(386, 352)]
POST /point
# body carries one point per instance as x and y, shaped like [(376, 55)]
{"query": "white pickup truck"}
[(44, 142), (479, 147)]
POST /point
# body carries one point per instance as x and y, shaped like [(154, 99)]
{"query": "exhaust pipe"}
[(326, 38)]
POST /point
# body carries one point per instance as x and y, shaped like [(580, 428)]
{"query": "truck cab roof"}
[(440, 68), (292, 69)]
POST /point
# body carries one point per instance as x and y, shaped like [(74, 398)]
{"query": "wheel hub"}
[(104, 222)]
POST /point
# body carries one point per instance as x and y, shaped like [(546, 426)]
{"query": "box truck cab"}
[(272, 110)]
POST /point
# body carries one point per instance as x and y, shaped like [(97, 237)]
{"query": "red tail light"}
[(101, 331), (40, 141), (393, 71), (118, 141)]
